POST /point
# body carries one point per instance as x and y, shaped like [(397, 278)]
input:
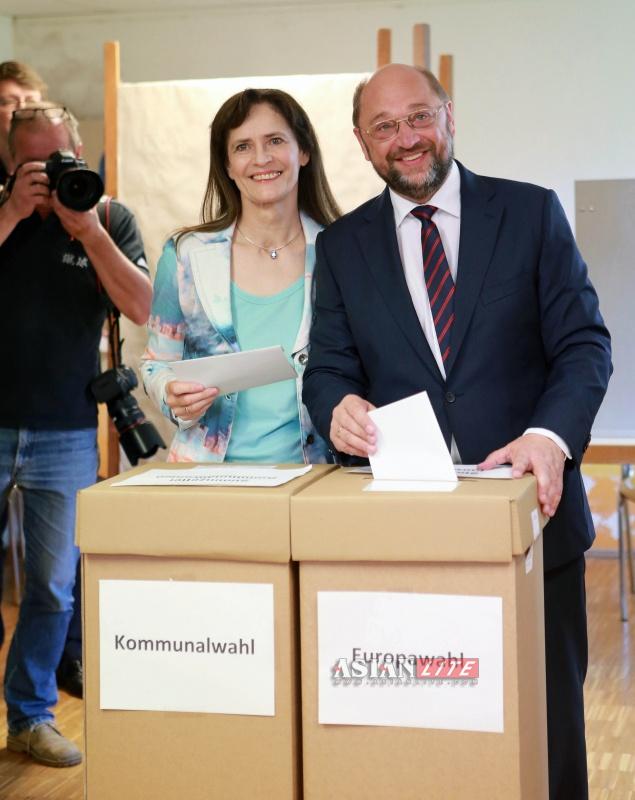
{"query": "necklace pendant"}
[(273, 254)]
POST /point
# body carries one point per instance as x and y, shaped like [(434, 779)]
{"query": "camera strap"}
[(112, 316)]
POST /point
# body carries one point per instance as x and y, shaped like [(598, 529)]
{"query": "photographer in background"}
[(19, 84), (59, 269)]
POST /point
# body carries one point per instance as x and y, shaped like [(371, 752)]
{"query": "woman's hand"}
[(189, 400)]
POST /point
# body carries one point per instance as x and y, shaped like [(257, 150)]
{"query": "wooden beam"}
[(107, 435), (609, 454), (108, 442), (445, 74), (421, 45), (383, 47), (111, 87)]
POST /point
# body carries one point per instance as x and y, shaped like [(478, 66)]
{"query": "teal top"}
[(266, 427)]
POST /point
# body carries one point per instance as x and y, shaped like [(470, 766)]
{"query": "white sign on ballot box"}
[(187, 646), (410, 660)]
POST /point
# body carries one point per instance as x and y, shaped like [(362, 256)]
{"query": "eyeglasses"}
[(9, 102), (52, 112), (389, 128)]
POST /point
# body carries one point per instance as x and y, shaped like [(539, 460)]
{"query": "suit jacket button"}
[(449, 396), (303, 358), (310, 439)]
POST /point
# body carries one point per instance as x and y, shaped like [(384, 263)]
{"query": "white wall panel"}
[(543, 88), (6, 39)]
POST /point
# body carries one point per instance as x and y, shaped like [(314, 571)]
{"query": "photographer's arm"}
[(128, 288)]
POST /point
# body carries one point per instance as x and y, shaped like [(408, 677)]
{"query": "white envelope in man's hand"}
[(410, 445)]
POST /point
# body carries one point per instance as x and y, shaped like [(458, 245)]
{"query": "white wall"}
[(6, 39), (543, 88)]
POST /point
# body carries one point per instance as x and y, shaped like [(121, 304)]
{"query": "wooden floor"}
[(610, 687), (610, 708), (21, 778)]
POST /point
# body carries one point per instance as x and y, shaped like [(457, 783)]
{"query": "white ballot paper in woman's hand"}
[(234, 372)]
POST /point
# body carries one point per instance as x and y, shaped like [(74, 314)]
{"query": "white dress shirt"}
[(447, 218)]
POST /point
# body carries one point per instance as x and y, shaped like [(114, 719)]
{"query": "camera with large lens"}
[(139, 438), (77, 186)]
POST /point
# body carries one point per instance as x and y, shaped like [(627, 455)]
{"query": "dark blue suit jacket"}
[(529, 347)]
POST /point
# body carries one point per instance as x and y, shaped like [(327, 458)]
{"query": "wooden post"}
[(383, 47), (610, 454), (107, 435), (421, 45), (445, 74), (108, 442), (111, 86)]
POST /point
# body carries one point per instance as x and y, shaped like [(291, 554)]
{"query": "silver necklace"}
[(273, 251)]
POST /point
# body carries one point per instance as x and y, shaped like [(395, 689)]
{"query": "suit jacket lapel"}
[(481, 215), (378, 241)]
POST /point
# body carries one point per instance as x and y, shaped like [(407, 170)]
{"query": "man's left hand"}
[(81, 225), (538, 455)]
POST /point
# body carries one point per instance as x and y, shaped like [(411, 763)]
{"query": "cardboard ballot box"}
[(190, 652), (422, 641)]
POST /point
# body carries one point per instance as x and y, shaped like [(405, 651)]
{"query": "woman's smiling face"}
[(264, 159)]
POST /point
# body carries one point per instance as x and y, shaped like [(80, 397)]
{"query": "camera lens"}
[(79, 189), (141, 441), (139, 438)]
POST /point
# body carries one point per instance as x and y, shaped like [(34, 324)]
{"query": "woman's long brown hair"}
[(221, 204)]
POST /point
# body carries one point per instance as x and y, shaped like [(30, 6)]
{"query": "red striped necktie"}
[(436, 272)]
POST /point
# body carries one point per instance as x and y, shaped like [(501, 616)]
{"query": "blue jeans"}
[(49, 467)]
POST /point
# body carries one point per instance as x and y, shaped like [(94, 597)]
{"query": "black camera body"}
[(139, 438), (77, 186)]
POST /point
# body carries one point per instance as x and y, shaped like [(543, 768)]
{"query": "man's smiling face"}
[(414, 162)]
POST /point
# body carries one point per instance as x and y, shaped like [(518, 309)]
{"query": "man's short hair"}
[(67, 119), (22, 74), (433, 83)]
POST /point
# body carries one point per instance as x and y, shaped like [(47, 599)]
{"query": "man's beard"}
[(421, 189)]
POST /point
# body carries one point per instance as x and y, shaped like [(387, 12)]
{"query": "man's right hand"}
[(189, 400), (30, 189), (352, 431)]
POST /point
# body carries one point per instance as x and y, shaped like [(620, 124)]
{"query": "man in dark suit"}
[(472, 289)]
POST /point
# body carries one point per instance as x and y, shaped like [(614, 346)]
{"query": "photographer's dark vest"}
[(51, 316)]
